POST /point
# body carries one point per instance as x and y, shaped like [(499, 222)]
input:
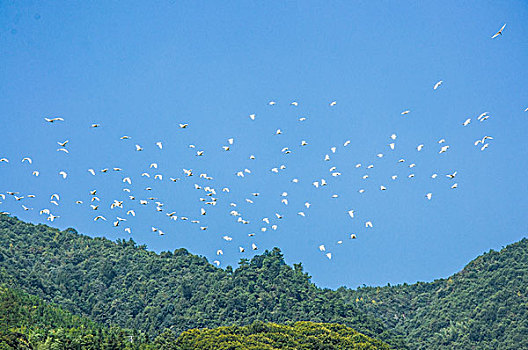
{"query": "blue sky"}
[(142, 68)]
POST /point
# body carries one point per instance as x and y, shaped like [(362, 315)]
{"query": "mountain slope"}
[(270, 336), (27, 322), (124, 284), (484, 306)]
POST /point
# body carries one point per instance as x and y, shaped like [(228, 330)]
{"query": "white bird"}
[(63, 174), (127, 229), (95, 125), (482, 115), (252, 116), (454, 185), (27, 159), (159, 144), (393, 136), (351, 213), (272, 103), (484, 147), (53, 120), (405, 112), (307, 205), (139, 148), (63, 150), (434, 176), (499, 32), (278, 132), (199, 153), (219, 252), (183, 126), (63, 144), (294, 103), (483, 140), (127, 179), (466, 123), (125, 137), (301, 214), (437, 85), (420, 147), (227, 238), (333, 103), (158, 177), (254, 246), (91, 171), (391, 145), (347, 142), (55, 196), (429, 196), (241, 249), (452, 176), (444, 149), (52, 217), (322, 248), (304, 143), (383, 188), (394, 177), (301, 119), (329, 256), (131, 212), (368, 224), (36, 173), (99, 217)]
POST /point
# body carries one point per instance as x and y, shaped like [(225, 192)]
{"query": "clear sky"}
[(143, 67)]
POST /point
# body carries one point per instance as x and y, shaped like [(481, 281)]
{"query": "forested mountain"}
[(27, 322), (121, 284), (270, 336), (484, 306), (125, 285)]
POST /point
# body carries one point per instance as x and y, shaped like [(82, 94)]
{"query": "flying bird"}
[(53, 120), (499, 32)]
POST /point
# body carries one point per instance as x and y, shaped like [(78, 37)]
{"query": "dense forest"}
[(271, 336), (118, 286), (484, 306), (123, 284), (27, 322)]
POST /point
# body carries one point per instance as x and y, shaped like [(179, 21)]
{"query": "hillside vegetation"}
[(271, 336), (27, 322), (121, 284), (125, 285), (484, 306)]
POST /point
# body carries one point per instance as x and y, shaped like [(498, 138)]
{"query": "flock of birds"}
[(211, 193)]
